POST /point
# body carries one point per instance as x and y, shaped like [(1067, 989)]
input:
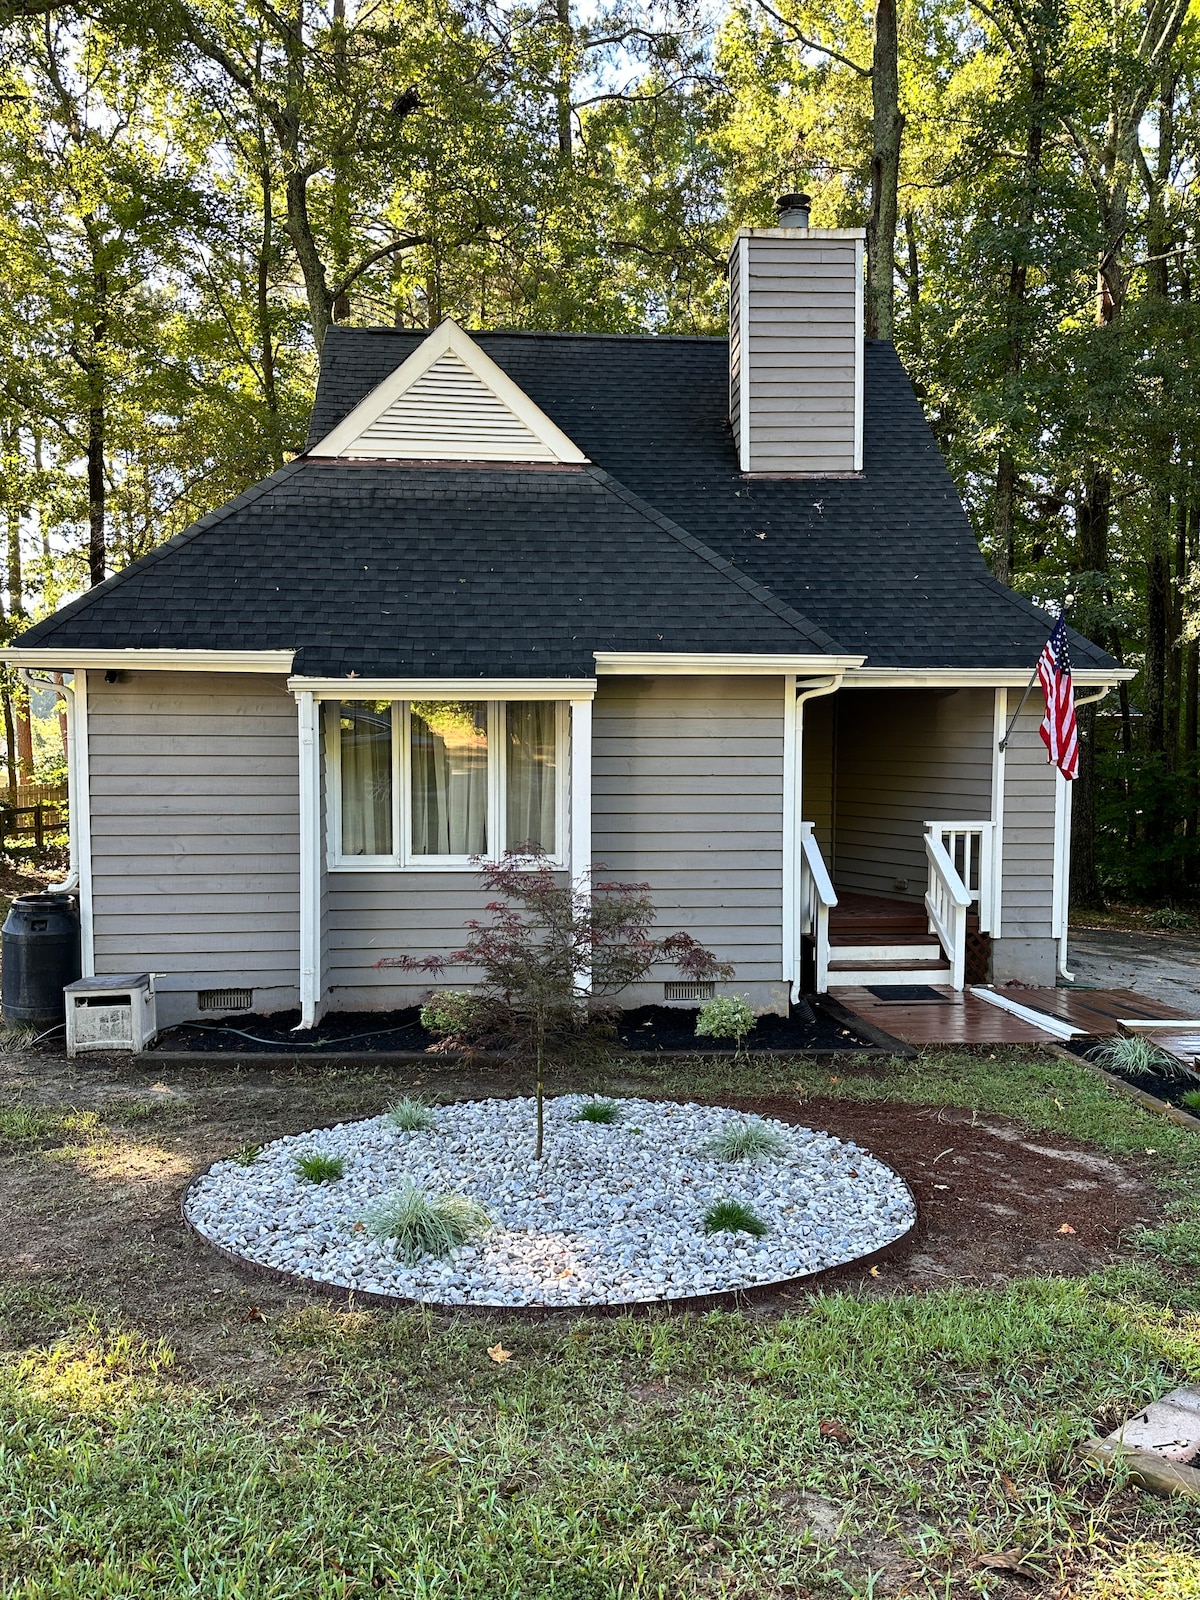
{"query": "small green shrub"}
[(1192, 1099), (451, 1011), (745, 1141), (318, 1168), (416, 1226), (409, 1115), (1169, 918), (727, 1016), (1131, 1053), (246, 1155), (734, 1216), (598, 1111)]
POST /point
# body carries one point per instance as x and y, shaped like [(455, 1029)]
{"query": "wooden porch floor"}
[(965, 1019)]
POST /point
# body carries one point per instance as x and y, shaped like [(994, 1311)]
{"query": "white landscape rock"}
[(612, 1214)]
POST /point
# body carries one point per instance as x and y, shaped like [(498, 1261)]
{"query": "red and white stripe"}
[(1060, 733)]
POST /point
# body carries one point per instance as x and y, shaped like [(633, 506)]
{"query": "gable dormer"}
[(796, 346), (448, 402)]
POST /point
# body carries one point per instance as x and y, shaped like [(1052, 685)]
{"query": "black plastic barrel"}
[(40, 957)]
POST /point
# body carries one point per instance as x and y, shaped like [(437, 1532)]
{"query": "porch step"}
[(891, 954), (863, 974)]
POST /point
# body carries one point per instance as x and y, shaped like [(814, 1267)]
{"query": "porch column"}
[(310, 859), (580, 853)]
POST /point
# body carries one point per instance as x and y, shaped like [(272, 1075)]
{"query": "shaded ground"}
[(101, 1217), (1164, 966)]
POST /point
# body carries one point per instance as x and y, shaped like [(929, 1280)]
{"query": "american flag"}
[(1059, 732)]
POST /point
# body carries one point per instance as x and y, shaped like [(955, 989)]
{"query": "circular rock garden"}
[(634, 1201)]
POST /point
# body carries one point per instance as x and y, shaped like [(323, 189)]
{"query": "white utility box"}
[(110, 1013)]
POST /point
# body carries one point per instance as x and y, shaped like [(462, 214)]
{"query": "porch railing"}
[(816, 898), (971, 848), (947, 901)]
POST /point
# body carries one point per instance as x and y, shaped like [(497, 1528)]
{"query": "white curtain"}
[(365, 731), (532, 758), (449, 778)]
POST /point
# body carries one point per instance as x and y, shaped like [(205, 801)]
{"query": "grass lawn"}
[(175, 1429)]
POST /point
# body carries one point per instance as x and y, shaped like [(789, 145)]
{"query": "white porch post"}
[(79, 804), (1063, 791), (791, 830), (580, 856), (310, 859)]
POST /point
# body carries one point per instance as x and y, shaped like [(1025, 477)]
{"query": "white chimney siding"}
[(796, 350)]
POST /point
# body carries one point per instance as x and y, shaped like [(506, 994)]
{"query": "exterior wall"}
[(374, 914), (1027, 949), (195, 834), (817, 759), (799, 349), (688, 797), (905, 757)]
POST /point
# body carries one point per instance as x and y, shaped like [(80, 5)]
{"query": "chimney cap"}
[(793, 209)]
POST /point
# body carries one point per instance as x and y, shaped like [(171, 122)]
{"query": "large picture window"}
[(434, 783)]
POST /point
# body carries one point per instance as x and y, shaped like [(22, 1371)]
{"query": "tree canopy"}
[(194, 190)]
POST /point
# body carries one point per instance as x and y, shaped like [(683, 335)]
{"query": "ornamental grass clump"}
[(734, 1216), (417, 1227), (727, 1016), (318, 1168), (749, 1140), (598, 1111), (409, 1115), (1192, 1100), (1134, 1055)]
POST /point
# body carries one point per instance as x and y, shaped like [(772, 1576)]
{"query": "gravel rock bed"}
[(613, 1214)]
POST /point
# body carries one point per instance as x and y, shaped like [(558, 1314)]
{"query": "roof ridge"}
[(210, 519), (1100, 656), (541, 333), (757, 591)]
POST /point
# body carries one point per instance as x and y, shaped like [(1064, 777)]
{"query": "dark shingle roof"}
[(434, 571), (479, 570)]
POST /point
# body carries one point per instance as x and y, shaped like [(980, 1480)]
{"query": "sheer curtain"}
[(532, 758), (449, 777), (365, 731)]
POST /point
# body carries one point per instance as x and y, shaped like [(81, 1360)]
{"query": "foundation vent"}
[(226, 999), (689, 991)]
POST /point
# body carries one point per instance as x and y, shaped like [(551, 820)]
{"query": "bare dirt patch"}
[(100, 1220)]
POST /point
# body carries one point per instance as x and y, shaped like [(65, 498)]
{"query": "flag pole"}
[(1028, 691)]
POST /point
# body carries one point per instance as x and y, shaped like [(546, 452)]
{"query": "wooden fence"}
[(39, 812)]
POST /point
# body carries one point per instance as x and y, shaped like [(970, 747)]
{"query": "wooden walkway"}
[(966, 1019)]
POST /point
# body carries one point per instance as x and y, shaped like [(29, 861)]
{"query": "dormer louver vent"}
[(796, 350), (448, 402)]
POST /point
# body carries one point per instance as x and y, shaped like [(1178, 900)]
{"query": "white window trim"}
[(402, 858)]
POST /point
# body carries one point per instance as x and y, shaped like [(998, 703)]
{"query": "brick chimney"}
[(796, 346)]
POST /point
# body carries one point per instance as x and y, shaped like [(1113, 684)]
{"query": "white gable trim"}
[(449, 339)]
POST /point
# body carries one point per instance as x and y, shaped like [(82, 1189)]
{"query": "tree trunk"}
[(1002, 531), (563, 87), (10, 734), (24, 722), (1092, 523), (312, 268), (887, 127), (266, 335)]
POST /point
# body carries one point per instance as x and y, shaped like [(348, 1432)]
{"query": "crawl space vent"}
[(689, 991), (226, 999)]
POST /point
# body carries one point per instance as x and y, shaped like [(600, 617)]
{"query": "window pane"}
[(449, 778), (365, 731), (532, 760)]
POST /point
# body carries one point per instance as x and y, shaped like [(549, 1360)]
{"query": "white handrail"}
[(947, 900), (971, 847), (816, 897)]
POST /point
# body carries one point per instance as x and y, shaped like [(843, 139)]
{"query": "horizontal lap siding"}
[(687, 795), (1028, 872), (906, 757), (370, 916), (195, 829)]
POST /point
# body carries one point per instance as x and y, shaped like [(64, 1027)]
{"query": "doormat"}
[(909, 993)]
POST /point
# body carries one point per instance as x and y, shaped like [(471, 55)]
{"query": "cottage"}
[(706, 611)]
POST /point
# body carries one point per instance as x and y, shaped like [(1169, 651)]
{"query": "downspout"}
[(71, 881), (1065, 891), (809, 691)]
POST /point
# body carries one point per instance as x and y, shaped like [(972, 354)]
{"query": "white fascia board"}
[(653, 663), (445, 688), (972, 677), (68, 658), (447, 339)]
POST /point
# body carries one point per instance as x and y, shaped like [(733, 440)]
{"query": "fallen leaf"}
[(498, 1353), (831, 1428), (875, 1272), (1066, 1228), (833, 1080), (941, 1186), (1009, 1561), (1010, 1487), (255, 1314), (359, 1227)]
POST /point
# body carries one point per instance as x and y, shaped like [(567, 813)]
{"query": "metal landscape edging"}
[(1147, 1101)]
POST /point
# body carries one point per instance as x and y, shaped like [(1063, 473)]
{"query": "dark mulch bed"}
[(1171, 1090), (660, 1029)]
